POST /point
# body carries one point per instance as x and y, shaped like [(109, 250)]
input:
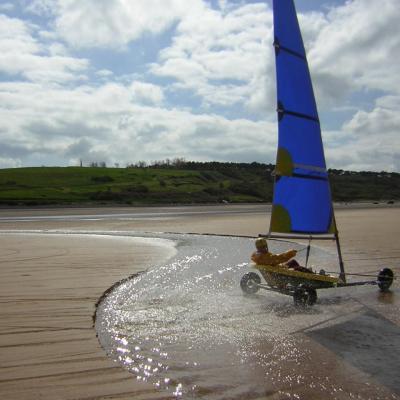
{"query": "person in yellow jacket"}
[(263, 257)]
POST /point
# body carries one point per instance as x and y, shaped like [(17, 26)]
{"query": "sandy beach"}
[(54, 268)]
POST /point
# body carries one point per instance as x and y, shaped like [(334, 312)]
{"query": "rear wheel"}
[(385, 279), (304, 296), (249, 283)]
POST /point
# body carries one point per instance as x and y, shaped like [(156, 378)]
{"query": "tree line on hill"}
[(346, 185), (176, 181)]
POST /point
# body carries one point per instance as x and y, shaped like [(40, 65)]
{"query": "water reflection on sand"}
[(186, 327)]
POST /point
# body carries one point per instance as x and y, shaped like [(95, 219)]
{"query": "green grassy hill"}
[(187, 183)]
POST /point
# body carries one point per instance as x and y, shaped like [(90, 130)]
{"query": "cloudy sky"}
[(127, 80)]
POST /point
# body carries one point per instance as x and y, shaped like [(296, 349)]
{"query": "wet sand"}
[(49, 287), (50, 284)]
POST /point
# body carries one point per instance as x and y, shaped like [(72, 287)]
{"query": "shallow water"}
[(187, 328)]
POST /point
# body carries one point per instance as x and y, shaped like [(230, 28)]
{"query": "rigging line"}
[(303, 249), (310, 168), (279, 47), (282, 111), (304, 176)]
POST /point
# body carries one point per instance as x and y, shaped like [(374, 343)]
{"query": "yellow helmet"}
[(261, 243)]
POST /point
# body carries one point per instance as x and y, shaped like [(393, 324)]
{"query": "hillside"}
[(183, 183)]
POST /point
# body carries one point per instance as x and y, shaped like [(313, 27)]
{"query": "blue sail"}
[(302, 199)]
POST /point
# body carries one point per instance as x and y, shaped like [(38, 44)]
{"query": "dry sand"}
[(50, 283)]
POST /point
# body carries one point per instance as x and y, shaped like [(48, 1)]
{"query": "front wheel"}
[(385, 279), (249, 283), (304, 296)]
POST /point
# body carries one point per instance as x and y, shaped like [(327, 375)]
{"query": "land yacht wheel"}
[(385, 279), (304, 296), (249, 283)]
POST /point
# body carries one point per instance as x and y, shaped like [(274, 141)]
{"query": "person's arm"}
[(283, 257), (272, 259)]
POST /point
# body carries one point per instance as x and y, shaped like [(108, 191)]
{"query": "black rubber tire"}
[(312, 297), (249, 283), (304, 296), (385, 279)]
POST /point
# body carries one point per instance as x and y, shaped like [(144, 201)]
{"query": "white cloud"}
[(15, 34), (357, 46), (9, 163), (222, 57), (147, 93), (22, 54), (104, 73), (369, 140), (6, 6), (110, 24), (40, 7), (107, 124), (57, 49)]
